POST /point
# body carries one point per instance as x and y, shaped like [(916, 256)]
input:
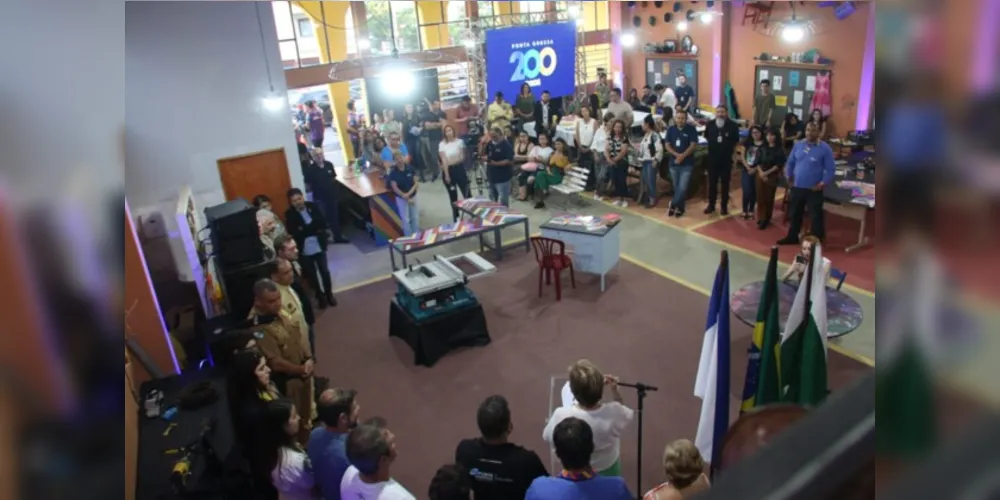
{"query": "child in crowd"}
[(801, 263)]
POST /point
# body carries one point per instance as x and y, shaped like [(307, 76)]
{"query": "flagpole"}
[(717, 447)]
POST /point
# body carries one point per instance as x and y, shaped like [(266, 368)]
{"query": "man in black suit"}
[(319, 175), (547, 114), (305, 222), (722, 135)]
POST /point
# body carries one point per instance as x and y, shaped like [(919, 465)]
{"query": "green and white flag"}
[(904, 374), (802, 352)]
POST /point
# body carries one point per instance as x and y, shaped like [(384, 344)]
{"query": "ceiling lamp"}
[(793, 32)]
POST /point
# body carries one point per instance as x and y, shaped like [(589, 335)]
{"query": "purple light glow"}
[(149, 280), (866, 92), (717, 59), (984, 62)]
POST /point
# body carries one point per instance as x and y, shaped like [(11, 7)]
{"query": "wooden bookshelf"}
[(779, 64)]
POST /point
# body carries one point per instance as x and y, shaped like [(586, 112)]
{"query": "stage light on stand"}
[(628, 40), (682, 26), (574, 11)]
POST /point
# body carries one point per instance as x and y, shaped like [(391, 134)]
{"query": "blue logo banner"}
[(543, 56)]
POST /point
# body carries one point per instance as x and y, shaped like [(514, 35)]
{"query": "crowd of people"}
[(304, 446), (523, 156)]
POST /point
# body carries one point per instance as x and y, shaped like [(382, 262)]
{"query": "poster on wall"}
[(543, 56)]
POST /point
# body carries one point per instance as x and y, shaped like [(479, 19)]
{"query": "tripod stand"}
[(641, 390)]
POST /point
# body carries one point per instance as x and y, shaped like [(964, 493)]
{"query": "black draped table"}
[(435, 337)]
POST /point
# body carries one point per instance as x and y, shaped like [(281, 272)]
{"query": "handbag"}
[(530, 167)]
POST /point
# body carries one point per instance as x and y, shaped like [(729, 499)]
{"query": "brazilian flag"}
[(761, 385)]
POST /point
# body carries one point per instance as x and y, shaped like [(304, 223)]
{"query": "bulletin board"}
[(793, 88), (665, 70)]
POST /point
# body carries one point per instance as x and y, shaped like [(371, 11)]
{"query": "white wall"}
[(195, 79)]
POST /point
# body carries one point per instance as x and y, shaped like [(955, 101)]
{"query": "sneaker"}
[(710, 210), (788, 241), (598, 197), (540, 205), (679, 213)]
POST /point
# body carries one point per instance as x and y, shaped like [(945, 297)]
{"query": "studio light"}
[(793, 33), (682, 26), (628, 40), (274, 102), (574, 11), (398, 83), (706, 17)]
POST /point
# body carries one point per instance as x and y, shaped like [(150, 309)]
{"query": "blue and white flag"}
[(712, 383)]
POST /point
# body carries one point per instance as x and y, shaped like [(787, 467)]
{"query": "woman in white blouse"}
[(650, 153), (586, 128), (538, 159), (456, 179), (281, 455)]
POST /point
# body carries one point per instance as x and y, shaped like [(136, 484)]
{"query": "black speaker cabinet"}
[(237, 287), (232, 219), (235, 235)]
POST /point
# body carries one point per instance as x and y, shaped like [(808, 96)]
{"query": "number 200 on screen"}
[(529, 65)]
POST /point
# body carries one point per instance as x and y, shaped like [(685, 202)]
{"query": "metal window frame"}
[(295, 37)]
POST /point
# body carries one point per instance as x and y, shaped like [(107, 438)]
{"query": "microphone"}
[(638, 386)]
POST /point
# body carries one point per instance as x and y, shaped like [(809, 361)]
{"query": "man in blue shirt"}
[(809, 169), (338, 411), (499, 166), (681, 141), (574, 443), (684, 93)]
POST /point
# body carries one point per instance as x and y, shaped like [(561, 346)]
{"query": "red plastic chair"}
[(552, 259)]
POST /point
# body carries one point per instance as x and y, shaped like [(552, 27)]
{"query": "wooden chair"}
[(552, 259)]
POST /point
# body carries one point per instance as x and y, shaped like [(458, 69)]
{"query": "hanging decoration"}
[(668, 17), (636, 21)]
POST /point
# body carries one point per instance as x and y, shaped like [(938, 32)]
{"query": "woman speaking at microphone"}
[(607, 420)]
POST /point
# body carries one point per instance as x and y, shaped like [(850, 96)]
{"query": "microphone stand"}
[(641, 390)]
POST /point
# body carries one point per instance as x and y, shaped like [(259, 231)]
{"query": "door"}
[(264, 172)]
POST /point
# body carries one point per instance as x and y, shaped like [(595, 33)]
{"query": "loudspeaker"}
[(235, 234), (237, 288), (232, 218)]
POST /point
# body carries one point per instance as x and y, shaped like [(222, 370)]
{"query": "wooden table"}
[(372, 202)]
